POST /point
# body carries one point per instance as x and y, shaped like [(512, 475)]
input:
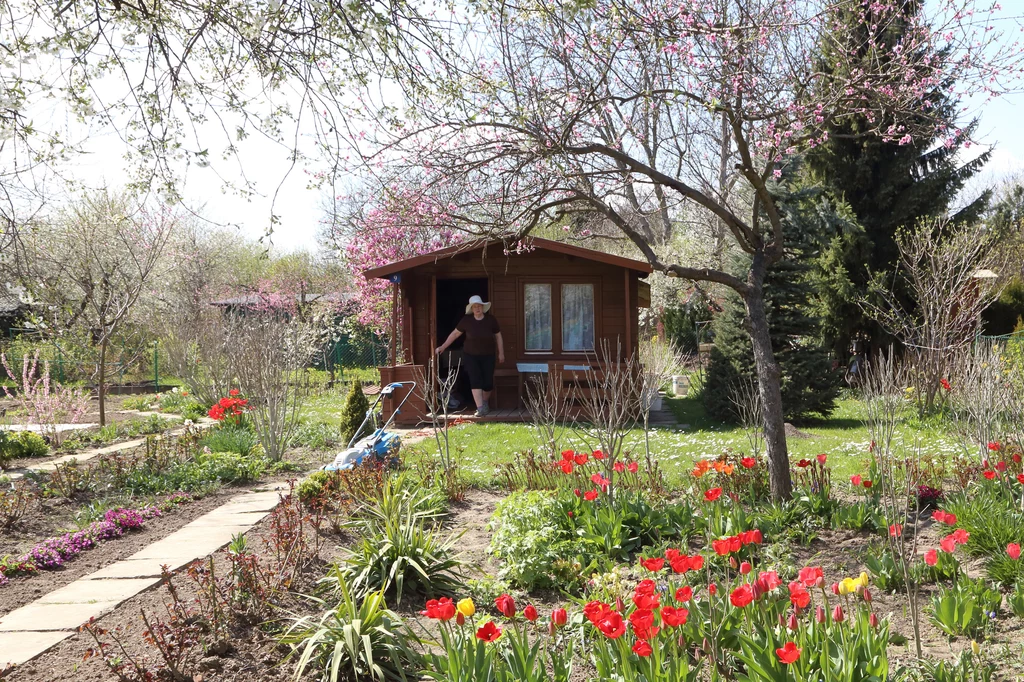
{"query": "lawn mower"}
[(380, 446)]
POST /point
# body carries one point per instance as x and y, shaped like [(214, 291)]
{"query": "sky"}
[(299, 206)]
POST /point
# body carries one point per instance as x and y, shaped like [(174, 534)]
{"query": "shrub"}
[(16, 444), (966, 668), (1016, 600), (965, 608), (356, 640), (400, 548), (231, 467), (354, 412), (991, 518), (527, 539), (237, 439)]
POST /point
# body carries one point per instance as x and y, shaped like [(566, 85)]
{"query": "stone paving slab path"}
[(32, 629), (86, 455)]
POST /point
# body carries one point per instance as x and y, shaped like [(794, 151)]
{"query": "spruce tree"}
[(810, 385), (888, 184), (354, 412)]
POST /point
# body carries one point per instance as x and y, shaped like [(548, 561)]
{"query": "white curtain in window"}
[(538, 316), (577, 317)]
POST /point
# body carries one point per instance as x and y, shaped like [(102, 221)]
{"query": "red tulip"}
[(748, 462), (798, 595), (618, 467), (837, 614), (791, 624), (460, 619), (712, 589), (633, 467), (597, 454), (866, 595), (612, 626), (835, 589), (856, 480), (742, 596), (896, 530), (713, 494), (873, 620), (581, 458), (822, 458), (488, 632), (684, 594), (994, 446), (1020, 478), (789, 653), (948, 544), (931, 557), (867, 484), (809, 575), (506, 606), (559, 617), (642, 648), (590, 495), (673, 617), (945, 384), (1016, 458), (989, 474), (1013, 549), (530, 613), (654, 564), (819, 614), (1001, 467)]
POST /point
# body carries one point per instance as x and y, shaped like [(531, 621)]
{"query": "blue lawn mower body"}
[(381, 446)]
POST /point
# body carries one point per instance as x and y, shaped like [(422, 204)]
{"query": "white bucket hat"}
[(477, 299)]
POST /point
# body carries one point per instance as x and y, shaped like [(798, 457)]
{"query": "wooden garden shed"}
[(556, 303)]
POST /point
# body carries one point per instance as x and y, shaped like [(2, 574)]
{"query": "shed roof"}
[(536, 242)]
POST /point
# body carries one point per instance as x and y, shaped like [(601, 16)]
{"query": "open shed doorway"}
[(452, 296)]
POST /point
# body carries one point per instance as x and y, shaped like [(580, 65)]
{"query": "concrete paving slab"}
[(21, 647), (256, 503), (134, 568), (84, 591), (38, 617)]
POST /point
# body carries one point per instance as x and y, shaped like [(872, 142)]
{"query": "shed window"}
[(577, 317), (538, 316)]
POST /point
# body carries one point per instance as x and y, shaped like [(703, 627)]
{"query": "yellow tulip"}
[(975, 647), (848, 586), (466, 607), (863, 580)]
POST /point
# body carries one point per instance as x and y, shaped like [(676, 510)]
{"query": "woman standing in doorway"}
[(483, 340)]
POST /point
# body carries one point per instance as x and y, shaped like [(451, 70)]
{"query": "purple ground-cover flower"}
[(53, 552)]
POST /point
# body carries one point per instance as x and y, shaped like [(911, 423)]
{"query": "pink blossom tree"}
[(403, 223), (632, 112)]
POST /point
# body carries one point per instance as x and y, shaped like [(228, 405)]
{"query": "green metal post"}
[(60, 365), (156, 366)]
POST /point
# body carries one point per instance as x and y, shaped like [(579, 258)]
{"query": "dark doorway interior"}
[(452, 297)]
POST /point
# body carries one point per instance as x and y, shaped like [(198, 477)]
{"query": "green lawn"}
[(842, 436)]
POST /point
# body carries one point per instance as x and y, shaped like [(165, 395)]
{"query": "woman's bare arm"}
[(449, 341)]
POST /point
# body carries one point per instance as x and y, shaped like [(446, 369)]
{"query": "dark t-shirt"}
[(479, 334)]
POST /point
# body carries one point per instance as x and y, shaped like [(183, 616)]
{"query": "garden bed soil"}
[(255, 654), (54, 518)]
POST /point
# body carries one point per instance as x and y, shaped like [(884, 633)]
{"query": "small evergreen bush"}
[(354, 412)]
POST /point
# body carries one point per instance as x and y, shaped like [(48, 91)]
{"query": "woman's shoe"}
[(482, 410)]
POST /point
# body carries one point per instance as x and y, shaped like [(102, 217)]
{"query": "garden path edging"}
[(31, 630)]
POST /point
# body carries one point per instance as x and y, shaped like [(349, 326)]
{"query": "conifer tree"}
[(356, 405), (809, 382), (887, 184)]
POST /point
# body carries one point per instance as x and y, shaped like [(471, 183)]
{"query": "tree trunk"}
[(769, 387), (101, 390)]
